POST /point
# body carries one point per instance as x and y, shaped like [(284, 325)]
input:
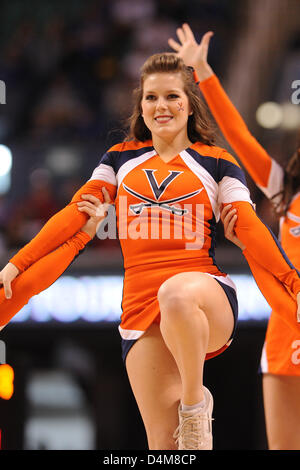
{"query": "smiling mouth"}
[(163, 119)]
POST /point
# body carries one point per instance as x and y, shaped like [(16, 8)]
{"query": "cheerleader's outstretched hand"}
[(192, 53)]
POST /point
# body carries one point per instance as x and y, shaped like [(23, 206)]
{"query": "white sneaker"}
[(195, 428)]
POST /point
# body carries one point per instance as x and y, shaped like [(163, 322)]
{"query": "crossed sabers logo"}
[(295, 231), (158, 190)]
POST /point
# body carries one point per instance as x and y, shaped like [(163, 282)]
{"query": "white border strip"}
[(130, 334), (105, 173), (133, 163)]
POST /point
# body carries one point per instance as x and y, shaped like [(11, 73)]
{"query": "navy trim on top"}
[(116, 159), (218, 167), (209, 163), (226, 168)]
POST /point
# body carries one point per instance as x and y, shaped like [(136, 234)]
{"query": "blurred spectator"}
[(289, 72), (17, 74), (118, 99), (28, 215), (130, 12), (45, 51), (61, 109), (4, 214), (4, 210), (149, 37)]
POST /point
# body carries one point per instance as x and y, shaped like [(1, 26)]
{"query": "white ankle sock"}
[(191, 408)]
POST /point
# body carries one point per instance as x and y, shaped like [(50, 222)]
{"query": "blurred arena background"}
[(67, 69)]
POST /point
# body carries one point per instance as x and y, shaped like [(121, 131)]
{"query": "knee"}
[(173, 299), (179, 300)]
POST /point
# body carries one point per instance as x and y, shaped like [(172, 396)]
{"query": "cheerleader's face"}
[(165, 105)]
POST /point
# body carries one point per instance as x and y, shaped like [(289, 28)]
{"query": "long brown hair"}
[(199, 127), (291, 182)]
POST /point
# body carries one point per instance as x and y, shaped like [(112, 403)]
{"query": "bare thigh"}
[(203, 291), (156, 384), (282, 411)]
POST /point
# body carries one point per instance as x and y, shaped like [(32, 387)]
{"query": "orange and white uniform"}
[(281, 352), (166, 219), (167, 215)]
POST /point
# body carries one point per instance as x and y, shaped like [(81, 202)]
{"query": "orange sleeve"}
[(275, 293), (61, 227), (264, 247), (40, 276), (252, 155), (276, 277), (290, 231)]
